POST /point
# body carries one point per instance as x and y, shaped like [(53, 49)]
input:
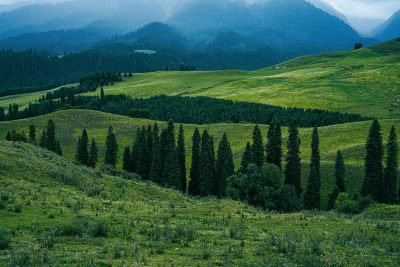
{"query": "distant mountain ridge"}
[(390, 29)]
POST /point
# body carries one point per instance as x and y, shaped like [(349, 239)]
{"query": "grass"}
[(137, 223), (364, 81), (350, 138)]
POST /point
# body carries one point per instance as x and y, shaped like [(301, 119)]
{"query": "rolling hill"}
[(54, 212), (363, 81)]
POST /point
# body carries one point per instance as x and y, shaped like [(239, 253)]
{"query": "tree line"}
[(193, 110), (261, 180)]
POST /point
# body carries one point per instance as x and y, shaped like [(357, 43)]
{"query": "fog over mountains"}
[(233, 29)]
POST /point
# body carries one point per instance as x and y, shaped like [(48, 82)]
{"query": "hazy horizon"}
[(363, 15)]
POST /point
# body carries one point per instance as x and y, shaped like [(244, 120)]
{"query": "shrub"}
[(18, 208), (352, 205), (100, 229), (74, 228), (4, 240)]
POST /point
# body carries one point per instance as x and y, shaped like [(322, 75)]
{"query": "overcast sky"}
[(363, 14)]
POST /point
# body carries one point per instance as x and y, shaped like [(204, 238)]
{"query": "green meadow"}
[(56, 213)]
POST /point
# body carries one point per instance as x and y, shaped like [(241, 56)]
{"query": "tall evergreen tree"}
[(111, 148), (182, 158), (390, 195), (58, 148), (373, 163), (127, 160), (8, 136), (274, 145), (246, 158), (102, 97), (156, 166), (339, 184), (141, 153), (2, 114), (163, 151), (82, 149), (194, 184), (293, 165), (312, 195), (32, 134), (43, 142), (93, 154), (224, 166), (257, 148), (207, 165), (171, 172), (149, 149), (51, 143)]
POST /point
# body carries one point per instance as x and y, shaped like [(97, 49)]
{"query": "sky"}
[(364, 15)]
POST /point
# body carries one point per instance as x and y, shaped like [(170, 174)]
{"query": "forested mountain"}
[(390, 29)]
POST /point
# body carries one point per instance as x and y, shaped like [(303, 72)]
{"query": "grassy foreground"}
[(54, 212), (350, 138)]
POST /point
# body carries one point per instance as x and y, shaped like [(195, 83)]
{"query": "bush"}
[(18, 208), (74, 228), (112, 171), (352, 205), (139, 113), (100, 229), (4, 240)]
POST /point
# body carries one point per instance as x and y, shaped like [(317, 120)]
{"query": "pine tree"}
[(149, 149), (8, 136), (141, 153), (257, 148), (312, 195), (171, 172), (156, 168), (51, 143), (339, 184), (274, 145), (207, 165), (126, 160), (102, 97), (58, 148), (111, 148), (82, 150), (194, 184), (43, 141), (246, 158), (389, 195), (93, 154), (182, 158), (2, 114), (224, 166), (32, 134), (339, 172), (163, 151), (293, 165), (373, 163)]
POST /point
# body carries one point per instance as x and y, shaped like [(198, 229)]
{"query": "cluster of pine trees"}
[(86, 154), (380, 181), (47, 139)]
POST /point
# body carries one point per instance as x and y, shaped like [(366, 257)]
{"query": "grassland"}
[(350, 138), (364, 81), (52, 216)]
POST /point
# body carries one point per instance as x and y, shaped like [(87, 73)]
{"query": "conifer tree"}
[(257, 148), (32, 134), (182, 158), (149, 149), (156, 168), (293, 165), (339, 184), (274, 145), (58, 148), (163, 151), (126, 160), (390, 195), (51, 143), (111, 148), (141, 154), (312, 195), (82, 151), (224, 166), (373, 163), (207, 165), (2, 114), (102, 97), (246, 158), (93, 154), (8, 136), (171, 173), (43, 141), (194, 184)]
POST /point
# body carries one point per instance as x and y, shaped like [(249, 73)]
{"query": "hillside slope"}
[(55, 217), (350, 138), (364, 81)]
